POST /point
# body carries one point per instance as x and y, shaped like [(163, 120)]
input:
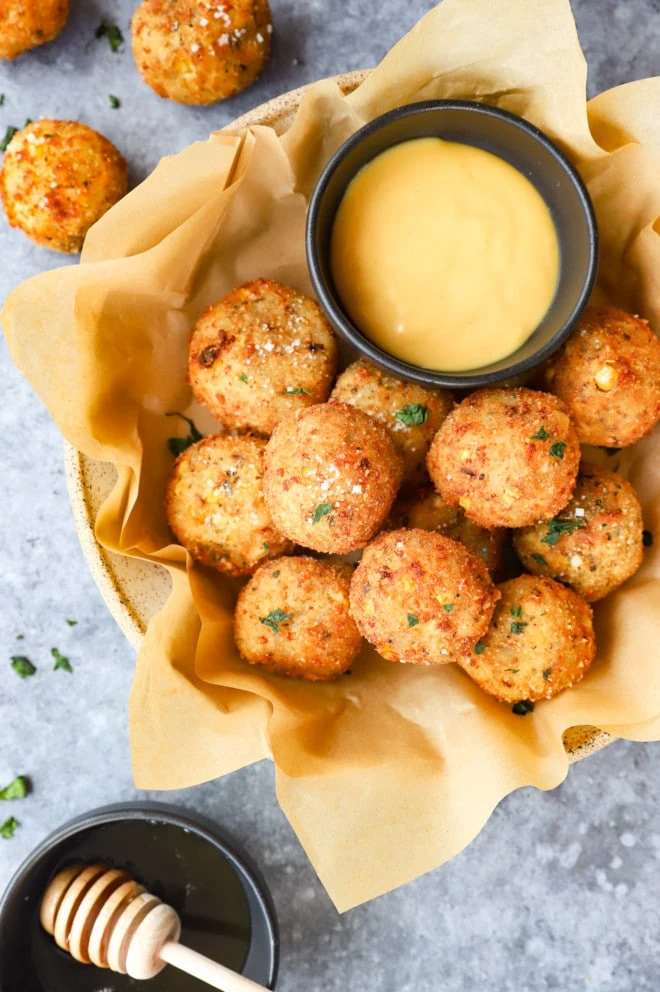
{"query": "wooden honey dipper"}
[(101, 916)]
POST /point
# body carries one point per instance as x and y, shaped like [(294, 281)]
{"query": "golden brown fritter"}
[(293, 619), (216, 508), (332, 473), (200, 51), (24, 24), (608, 375), (260, 354), (428, 510), (411, 412), (596, 542), (541, 641), (508, 457), (57, 179), (421, 598)]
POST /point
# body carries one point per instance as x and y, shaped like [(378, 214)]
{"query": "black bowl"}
[(178, 855), (517, 142)]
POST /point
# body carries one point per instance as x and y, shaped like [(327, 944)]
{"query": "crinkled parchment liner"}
[(390, 772)]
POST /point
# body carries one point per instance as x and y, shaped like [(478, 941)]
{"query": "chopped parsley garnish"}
[(513, 670), (8, 827), (274, 619), (294, 392), (9, 134), (518, 626), (61, 661), (448, 607), (540, 560), (557, 527), (541, 436), (72, 623), (22, 666), (412, 620), (557, 449), (322, 510), (516, 611), (20, 637), (647, 538), (2, 99), (243, 377), (480, 647), (180, 444), (412, 414), (115, 102), (522, 708), (110, 31), (547, 672), (18, 789), (266, 546), (28, 120)]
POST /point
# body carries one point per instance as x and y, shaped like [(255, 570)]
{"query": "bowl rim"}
[(254, 885), (405, 370)]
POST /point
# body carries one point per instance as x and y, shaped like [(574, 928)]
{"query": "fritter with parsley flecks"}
[(24, 24)]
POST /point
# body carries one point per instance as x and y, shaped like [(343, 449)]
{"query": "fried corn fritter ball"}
[(57, 179), (608, 375), (24, 24), (216, 508), (596, 542), (421, 598), (508, 457), (412, 413), (200, 51), (332, 473), (293, 619), (541, 641), (263, 352), (427, 510)]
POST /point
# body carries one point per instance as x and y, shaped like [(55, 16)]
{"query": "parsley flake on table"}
[(412, 620), (9, 134), (540, 560), (516, 611), (518, 626), (480, 647), (2, 99), (557, 527), (179, 444), (72, 623), (647, 538), (522, 708), (61, 661), (412, 414), (20, 637), (274, 619), (541, 436), (115, 102), (22, 666), (322, 510), (557, 449), (290, 391), (18, 789), (8, 827), (107, 29)]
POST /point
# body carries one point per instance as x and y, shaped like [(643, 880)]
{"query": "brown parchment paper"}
[(388, 773)]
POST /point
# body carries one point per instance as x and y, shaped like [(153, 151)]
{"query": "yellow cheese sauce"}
[(444, 255)]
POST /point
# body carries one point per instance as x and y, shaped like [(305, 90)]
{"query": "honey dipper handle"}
[(214, 974)]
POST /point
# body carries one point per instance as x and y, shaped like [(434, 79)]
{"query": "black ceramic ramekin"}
[(517, 142), (180, 856)]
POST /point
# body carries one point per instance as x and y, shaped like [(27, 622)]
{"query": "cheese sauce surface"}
[(444, 255)]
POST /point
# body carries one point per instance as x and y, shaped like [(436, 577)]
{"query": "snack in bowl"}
[(608, 375), (428, 510), (332, 473), (216, 508), (421, 598), (57, 179), (293, 619), (596, 542), (24, 24), (262, 352), (411, 412), (508, 457), (198, 53), (541, 642)]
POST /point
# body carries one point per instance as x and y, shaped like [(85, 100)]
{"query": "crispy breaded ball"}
[(200, 51), (216, 508), (293, 619), (428, 510), (508, 457), (411, 412), (24, 24), (332, 473), (260, 354), (608, 375), (421, 598), (596, 542), (57, 179), (541, 641)]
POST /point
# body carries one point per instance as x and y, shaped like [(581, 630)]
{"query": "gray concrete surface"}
[(560, 891)]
